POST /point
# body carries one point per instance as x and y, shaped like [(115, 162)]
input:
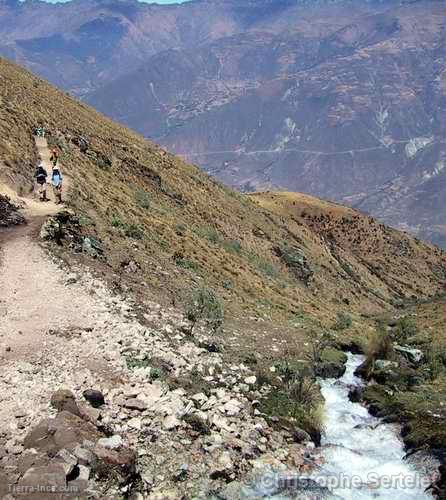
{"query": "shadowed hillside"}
[(165, 227)]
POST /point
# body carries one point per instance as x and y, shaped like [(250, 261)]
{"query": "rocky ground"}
[(101, 399), (9, 214)]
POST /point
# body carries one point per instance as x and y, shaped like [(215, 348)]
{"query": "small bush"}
[(233, 246), (204, 305), (405, 328), (318, 344), (116, 221), (299, 402), (180, 229), (156, 373), (133, 231), (129, 230), (209, 233), (263, 378), (266, 267), (133, 363), (186, 264), (85, 221), (436, 361), (343, 321), (142, 199), (380, 345)]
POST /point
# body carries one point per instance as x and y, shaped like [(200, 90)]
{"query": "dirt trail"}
[(35, 300), (32, 207), (32, 299)]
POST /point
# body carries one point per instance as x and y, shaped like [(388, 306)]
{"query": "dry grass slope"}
[(185, 229)]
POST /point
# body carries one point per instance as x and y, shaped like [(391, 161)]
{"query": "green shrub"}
[(227, 285), (133, 231), (156, 373), (266, 267), (405, 328), (186, 264), (436, 361), (85, 221), (116, 221), (142, 199), (197, 424), (298, 402), (204, 305), (209, 233), (233, 246), (129, 230), (343, 321), (133, 363)]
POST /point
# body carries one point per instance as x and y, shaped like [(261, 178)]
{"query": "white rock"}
[(84, 473), (112, 443), (171, 422), (135, 423), (251, 380), (232, 407), (221, 422)]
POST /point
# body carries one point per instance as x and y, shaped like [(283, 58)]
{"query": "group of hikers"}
[(41, 176)]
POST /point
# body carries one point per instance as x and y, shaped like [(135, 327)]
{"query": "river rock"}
[(330, 369), (384, 364), (415, 356)]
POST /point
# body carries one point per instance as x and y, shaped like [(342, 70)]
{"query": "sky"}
[(147, 1)]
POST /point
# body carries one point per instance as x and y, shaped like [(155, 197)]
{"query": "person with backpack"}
[(54, 158), (56, 181), (41, 175)]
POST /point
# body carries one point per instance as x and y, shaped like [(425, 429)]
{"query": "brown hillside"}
[(183, 229), (396, 258)]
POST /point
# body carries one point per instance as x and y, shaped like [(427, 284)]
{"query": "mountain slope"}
[(168, 228), (344, 100), (355, 114)]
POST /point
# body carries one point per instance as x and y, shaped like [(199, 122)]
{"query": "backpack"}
[(41, 175)]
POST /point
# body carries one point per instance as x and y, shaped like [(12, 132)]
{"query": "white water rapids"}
[(363, 457), (358, 445)]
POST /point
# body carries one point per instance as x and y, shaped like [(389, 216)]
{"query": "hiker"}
[(54, 158), (56, 181), (41, 175)]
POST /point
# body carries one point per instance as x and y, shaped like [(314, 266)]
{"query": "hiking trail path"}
[(44, 313)]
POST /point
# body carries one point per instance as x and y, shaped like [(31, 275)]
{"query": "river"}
[(363, 458)]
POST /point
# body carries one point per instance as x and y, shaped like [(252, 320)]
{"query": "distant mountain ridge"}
[(344, 100)]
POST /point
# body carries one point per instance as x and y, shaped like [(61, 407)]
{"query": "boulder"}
[(64, 400), (415, 356), (112, 443), (122, 462), (43, 483), (135, 404), (171, 422), (94, 397), (355, 393), (384, 364), (300, 436), (65, 431), (51, 230), (330, 369)]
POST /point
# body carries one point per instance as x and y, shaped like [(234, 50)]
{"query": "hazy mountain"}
[(345, 100)]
